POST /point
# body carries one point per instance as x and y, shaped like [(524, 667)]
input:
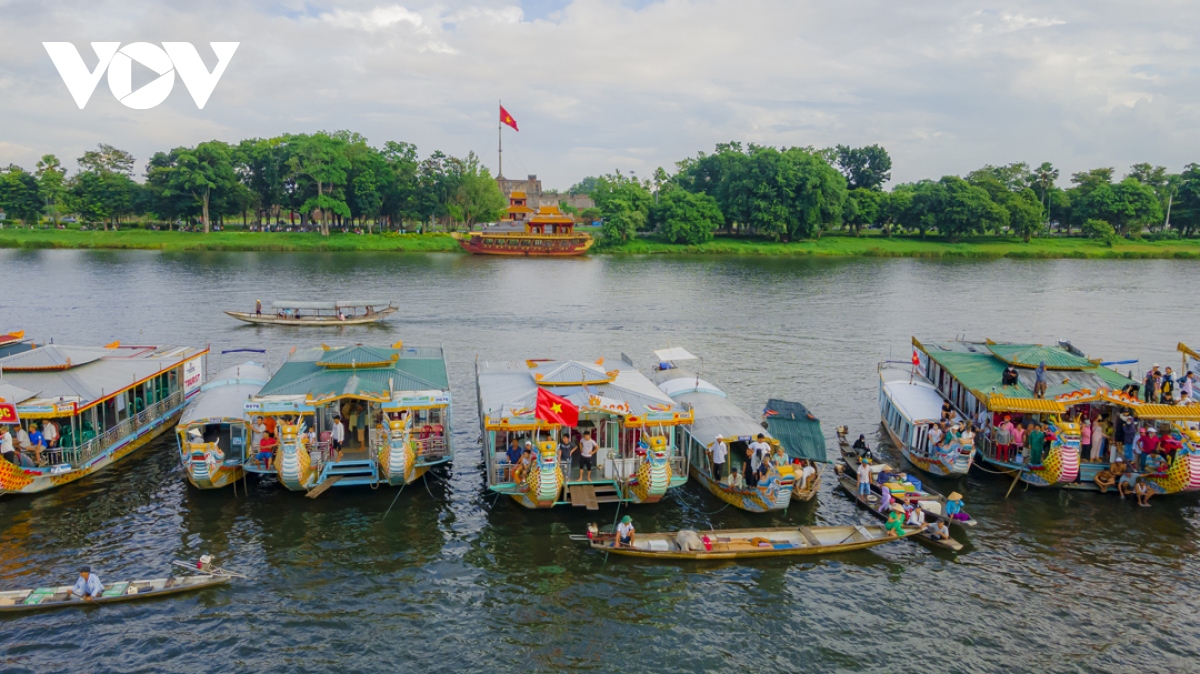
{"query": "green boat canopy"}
[(797, 429)]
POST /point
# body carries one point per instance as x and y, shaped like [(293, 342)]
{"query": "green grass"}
[(830, 245)]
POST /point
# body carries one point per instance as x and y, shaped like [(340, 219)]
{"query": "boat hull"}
[(12, 601), (850, 486), (773, 494), (736, 543), (525, 245), (926, 464), (313, 322)]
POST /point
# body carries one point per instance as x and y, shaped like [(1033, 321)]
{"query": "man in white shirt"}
[(257, 431), (50, 433), (864, 478), (338, 436), (935, 437), (718, 452), (587, 455), (625, 532), (6, 446), (87, 586), (757, 453), (805, 473)]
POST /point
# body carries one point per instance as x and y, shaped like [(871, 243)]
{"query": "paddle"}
[(1014, 483)]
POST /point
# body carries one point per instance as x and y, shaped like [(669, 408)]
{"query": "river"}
[(452, 579)]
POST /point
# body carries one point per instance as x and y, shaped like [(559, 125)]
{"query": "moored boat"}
[(45, 598), (725, 544), (301, 313), (633, 423), (102, 403), (392, 404), (873, 502), (548, 232), (910, 407), (213, 433)]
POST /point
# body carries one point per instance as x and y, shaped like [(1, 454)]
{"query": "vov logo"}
[(171, 58)]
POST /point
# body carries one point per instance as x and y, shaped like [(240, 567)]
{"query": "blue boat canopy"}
[(797, 429)]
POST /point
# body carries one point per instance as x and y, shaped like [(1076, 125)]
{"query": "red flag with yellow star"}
[(506, 118), (555, 409)]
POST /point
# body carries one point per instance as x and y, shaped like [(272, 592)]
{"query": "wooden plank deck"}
[(323, 487)]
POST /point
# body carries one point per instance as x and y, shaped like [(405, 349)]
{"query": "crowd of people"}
[(30, 444)]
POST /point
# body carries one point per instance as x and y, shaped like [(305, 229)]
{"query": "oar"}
[(1014, 483)]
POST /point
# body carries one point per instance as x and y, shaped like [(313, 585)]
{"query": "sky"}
[(598, 85)]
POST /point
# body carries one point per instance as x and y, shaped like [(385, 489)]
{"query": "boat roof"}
[(714, 413), (980, 367), (797, 429), (326, 305), (675, 353), (14, 342), (359, 370), (508, 389), (85, 374), (916, 398), (225, 395)]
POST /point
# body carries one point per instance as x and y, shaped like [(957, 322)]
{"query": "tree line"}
[(329, 179), (800, 193)]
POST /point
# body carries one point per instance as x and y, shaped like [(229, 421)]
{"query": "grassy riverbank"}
[(827, 246)]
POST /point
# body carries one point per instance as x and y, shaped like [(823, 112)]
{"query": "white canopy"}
[(327, 306), (674, 353)]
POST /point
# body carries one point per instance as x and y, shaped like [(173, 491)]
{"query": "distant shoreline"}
[(830, 245)]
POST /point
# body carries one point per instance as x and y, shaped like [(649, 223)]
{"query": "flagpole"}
[(500, 137)]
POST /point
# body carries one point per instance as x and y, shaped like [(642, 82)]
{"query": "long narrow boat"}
[(324, 314), (1079, 389), (748, 543), (634, 423), (931, 501), (43, 598), (910, 406), (104, 403), (394, 409), (871, 503), (213, 433)]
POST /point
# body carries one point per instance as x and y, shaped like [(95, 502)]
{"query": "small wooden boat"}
[(850, 485), (925, 495), (747, 543), (319, 314), (57, 597)]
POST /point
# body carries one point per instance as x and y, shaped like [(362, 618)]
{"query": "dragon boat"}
[(715, 416), (213, 433), (394, 407), (104, 402), (970, 376), (910, 406), (633, 422)]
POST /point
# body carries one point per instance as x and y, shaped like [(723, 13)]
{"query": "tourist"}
[(1148, 385), (895, 521), (1187, 386), (50, 432), (1004, 438), (1185, 397), (806, 473), (1097, 439), (718, 452), (37, 442), (864, 479), (939, 531), (1037, 444), (1149, 443), (1168, 444), (587, 455), (935, 436), (88, 585), (947, 410), (566, 447), (954, 509), (1105, 479), (1039, 386), (756, 453), (1166, 394), (967, 437), (514, 451), (7, 450), (1085, 436), (524, 463), (1130, 429), (1156, 465), (258, 430), (266, 450), (337, 437), (1126, 485), (625, 533), (916, 517), (1009, 378), (1142, 489), (1018, 443)]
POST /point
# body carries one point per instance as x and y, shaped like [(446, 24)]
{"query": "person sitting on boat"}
[(947, 410), (514, 452), (87, 586), (954, 509), (806, 473), (1168, 444), (860, 445), (341, 315), (885, 501), (1105, 479), (1126, 486), (967, 438), (625, 533), (266, 450), (1143, 492), (864, 478), (1156, 464), (524, 463), (1009, 378), (935, 435), (915, 516), (939, 531), (895, 520), (718, 452)]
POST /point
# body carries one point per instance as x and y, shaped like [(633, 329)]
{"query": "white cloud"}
[(602, 84)]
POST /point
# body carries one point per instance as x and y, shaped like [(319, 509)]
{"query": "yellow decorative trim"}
[(1168, 412), (1002, 403), (1183, 348)]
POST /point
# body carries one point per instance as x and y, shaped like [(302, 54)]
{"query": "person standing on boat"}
[(758, 453), (935, 439), (87, 586), (1039, 385), (566, 447), (1037, 444), (338, 436), (50, 432), (625, 533), (258, 430), (1167, 394), (258, 308), (1004, 439), (587, 455), (864, 478), (718, 452)]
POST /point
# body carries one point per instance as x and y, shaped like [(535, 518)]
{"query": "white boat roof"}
[(225, 395), (918, 401), (507, 388), (85, 374), (327, 305), (673, 354), (714, 414)]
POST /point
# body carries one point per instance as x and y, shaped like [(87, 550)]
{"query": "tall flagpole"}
[(500, 136)]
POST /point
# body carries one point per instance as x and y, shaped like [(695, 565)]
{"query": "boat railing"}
[(431, 448), (80, 454), (679, 464)]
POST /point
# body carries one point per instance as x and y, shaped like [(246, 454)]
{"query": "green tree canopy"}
[(864, 167), (20, 195), (686, 217)]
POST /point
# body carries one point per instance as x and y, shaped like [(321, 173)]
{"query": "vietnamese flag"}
[(555, 409), (916, 358), (506, 118)]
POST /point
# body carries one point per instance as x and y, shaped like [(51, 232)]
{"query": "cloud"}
[(604, 84)]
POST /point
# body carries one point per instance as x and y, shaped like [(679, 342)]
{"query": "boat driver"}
[(87, 586)]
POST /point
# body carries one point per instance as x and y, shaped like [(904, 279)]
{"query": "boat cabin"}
[(102, 401), (213, 434), (633, 423), (392, 403)]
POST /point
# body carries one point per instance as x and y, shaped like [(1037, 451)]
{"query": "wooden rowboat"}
[(849, 484), (925, 495), (747, 543), (57, 597), (318, 314)]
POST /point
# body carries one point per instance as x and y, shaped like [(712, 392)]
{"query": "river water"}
[(452, 579)]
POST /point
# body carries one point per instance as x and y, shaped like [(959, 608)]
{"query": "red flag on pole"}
[(916, 358), (506, 118), (555, 409)]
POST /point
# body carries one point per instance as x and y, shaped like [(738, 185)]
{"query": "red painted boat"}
[(548, 233)]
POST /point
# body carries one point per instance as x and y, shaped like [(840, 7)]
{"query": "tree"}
[(204, 172), (401, 185), (262, 166), (864, 167), (623, 223), (478, 198), (107, 159), (20, 195), (686, 217), (863, 208), (957, 208), (321, 158), (1127, 206), (1044, 177), (101, 196), (51, 177), (585, 186), (789, 194), (1098, 229), (1185, 211)]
